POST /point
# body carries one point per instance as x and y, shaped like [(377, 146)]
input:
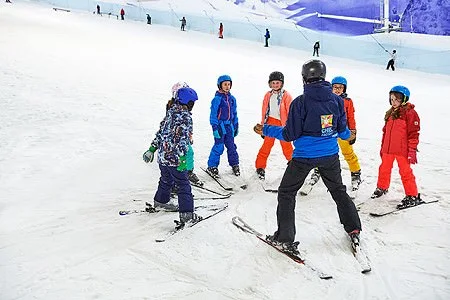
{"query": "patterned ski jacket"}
[(316, 119), (174, 136), (284, 101), (401, 130), (223, 112)]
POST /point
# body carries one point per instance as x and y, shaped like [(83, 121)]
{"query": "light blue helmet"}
[(223, 78), (186, 95), (340, 80), (402, 90)]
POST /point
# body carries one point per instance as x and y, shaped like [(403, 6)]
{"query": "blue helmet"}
[(340, 80), (186, 95), (221, 79), (402, 90)]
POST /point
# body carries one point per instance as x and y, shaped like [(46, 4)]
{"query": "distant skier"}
[(316, 119), (399, 142), (149, 19), (221, 31), (225, 126), (267, 37), (122, 14), (183, 24), (316, 49), (391, 62), (98, 10), (174, 139), (275, 110)]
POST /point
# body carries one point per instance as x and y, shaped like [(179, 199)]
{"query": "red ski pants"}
[(406, 173), (264, 152)]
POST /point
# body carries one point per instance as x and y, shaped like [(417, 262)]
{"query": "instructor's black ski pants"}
[(293, 178)]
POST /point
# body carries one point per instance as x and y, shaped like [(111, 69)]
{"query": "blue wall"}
[(368, 50)]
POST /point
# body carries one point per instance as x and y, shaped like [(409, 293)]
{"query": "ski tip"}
[(160, 240), (326, 277), (123, 213), (366, 270)]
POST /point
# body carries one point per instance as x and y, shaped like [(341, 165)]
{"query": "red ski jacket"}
[(401, 130)]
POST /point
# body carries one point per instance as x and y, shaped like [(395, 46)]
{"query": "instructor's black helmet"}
[(313, 70), (276, 76)]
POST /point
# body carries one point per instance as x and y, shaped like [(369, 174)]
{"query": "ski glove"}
[(412, 156), (216, 134), (352, 138), (236, 130), (149, 154), (258, 128), (182, 165)]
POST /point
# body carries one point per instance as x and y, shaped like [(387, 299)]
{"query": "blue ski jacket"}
[(223, 112), (316, 119)]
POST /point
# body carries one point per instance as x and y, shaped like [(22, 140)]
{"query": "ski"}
[(238, 222), (218, 180), (268, 189), (362, 258), (150, 209), (211, 190), (381, 214), (213, 211)]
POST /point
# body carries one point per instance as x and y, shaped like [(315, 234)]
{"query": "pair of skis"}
[(226, 186), (360, 256)]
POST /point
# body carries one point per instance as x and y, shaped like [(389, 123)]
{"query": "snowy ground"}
[(81, 97)]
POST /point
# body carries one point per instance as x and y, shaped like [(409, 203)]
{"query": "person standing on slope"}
[(316, 119), (339, 87), (174, 140), (275, 109), (399, 142), (225, 126)]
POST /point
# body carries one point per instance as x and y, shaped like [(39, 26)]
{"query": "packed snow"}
[(81, 98)]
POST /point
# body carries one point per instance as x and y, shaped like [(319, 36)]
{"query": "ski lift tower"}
[(387, 26)]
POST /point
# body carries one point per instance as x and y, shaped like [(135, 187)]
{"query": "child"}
[(399, 142), (225, 126), (339, 87), (174, 139), (148, 155), (275, 110)]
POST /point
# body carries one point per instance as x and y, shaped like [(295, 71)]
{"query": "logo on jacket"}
[(327, 124)]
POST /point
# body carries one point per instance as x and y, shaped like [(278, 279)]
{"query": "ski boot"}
[(213, 172), (356, 180), (378, 193), (410, 201), (261, 173), (187, 218), (193, 178), (354, 238), (290, 248), (236, 170), (170, 207)]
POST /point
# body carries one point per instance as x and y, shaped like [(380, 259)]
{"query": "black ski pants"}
[(294, 177), (390, 65)]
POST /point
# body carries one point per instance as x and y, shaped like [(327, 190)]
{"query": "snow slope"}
[(81, 97)]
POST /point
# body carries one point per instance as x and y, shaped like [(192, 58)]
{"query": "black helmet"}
[(313, 70), (276, 76)]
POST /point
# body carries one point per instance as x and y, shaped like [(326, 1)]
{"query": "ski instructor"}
[(315, 120)]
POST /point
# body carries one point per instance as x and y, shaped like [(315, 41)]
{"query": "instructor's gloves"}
[(182, 163), (149, 154), (412, 156), (352, 139), (258, 128)]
